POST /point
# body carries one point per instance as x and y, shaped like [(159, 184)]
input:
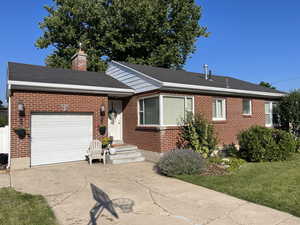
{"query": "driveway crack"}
[(227, 214), (150, 192), (71, 193), (169, 214)]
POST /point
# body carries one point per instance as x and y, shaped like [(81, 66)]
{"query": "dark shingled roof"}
[(190, 78), (43, 74)]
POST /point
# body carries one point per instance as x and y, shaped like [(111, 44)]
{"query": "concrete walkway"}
[(158, 200)]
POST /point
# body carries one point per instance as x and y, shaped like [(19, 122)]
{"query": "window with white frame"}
[(247, 107), (149, 111), (219, 109), (165, 110), (269, 113), (175, 108)]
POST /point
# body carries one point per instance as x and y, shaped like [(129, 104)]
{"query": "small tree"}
[(266, 84), (288, 110), (198, 134)]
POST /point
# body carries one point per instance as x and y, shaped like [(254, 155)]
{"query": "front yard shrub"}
[(229, 164), (198, 134), (259, 144), (231, 150), (234, 164), (181, 161)]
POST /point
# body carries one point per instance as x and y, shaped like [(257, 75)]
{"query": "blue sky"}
[(250, 40)]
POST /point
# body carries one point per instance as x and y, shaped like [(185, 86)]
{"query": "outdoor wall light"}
[(21, 109), (102, 110)]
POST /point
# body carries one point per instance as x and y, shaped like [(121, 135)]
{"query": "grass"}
[(24, 209), (274, 184)]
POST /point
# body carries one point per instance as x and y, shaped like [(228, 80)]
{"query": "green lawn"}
[(275, 184), (18, 208)]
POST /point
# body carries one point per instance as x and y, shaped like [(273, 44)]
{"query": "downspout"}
[(9, 130), (8, 97)]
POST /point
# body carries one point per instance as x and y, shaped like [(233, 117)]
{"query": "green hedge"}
[(260, 144)]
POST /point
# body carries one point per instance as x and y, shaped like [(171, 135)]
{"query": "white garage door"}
[(57, 138)]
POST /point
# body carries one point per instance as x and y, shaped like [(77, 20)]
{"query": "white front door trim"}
[(115, 128)]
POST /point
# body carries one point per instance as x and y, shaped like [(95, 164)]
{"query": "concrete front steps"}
[(126, 154)]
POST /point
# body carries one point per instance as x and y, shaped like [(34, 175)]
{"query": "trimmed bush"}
[(180, 162), (261, 144)]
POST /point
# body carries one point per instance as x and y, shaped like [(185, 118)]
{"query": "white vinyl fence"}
[(4, 139)]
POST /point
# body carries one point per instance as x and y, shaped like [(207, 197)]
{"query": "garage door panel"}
[(60, 137)]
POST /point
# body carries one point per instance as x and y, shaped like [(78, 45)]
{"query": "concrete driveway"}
[(158, 200)]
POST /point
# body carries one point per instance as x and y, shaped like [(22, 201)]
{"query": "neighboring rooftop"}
[(190, 78), (43, 74)]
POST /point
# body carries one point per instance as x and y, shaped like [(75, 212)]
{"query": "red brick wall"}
[(160, 141), (50, 102), (145, 138), (235, 120)]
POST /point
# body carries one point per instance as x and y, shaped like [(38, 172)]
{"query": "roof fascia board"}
[(158, 82), (71, 87), (226, 90), (74, 91)]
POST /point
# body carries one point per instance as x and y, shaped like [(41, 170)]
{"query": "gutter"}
[(71, 87), (221, 90)]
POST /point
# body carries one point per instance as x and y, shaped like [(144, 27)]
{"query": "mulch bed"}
[(214, 170)]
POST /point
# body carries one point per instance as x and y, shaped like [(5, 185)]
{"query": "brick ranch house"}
[(61, 110)]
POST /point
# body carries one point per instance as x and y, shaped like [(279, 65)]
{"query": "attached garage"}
[(60, 137)]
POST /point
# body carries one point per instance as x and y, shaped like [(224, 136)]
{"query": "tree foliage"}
[(288, 110), (266, 84), (152, 32)]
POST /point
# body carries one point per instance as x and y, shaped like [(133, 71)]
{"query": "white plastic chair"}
[(95, 151)]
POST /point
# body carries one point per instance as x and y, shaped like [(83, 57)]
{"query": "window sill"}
[(219, 121), (157, 128), (247, 115)]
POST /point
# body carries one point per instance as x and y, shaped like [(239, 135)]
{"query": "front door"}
[(115, 126)]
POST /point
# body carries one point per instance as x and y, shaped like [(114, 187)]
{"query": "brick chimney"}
[(79, 61)]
